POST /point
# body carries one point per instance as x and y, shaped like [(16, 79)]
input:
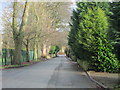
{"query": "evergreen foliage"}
[(115, 27), (54, 50), (88, 37)]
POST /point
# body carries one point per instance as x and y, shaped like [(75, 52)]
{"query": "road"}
[(55, 73)]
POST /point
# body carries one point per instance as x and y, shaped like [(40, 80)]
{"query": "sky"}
[(1, 10), (2, 6)]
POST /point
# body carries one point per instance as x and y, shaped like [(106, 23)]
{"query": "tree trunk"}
[(17, 52), (44, 51), (18, 34), (39, 51), (48, 49), (35, 52), (1, 45), (27, 53), (5, 56)]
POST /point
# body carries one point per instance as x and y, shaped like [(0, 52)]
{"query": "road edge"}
[(100, 84)]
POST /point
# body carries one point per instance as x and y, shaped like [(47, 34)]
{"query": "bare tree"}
[(18, 32)]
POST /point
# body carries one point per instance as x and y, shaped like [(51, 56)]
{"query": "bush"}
[(54, 50), (84, 64)]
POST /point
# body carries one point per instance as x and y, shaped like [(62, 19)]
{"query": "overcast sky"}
[(4, 4), (1, 10)]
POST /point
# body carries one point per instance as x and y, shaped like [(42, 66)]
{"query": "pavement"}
[(58, 72), (109, 80)]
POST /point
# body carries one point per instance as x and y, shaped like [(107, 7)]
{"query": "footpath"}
[(107, 80)]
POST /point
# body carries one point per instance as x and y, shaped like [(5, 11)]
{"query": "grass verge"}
[(23, 64)]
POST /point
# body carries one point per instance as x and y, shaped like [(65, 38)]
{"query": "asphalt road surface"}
[(55, 73)]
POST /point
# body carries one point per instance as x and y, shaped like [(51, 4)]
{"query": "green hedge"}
[(54, 50)]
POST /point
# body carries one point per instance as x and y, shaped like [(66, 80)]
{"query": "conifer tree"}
[(115, 27), (88, 38)]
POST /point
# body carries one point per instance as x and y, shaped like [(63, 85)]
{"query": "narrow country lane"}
[(56, 73)]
